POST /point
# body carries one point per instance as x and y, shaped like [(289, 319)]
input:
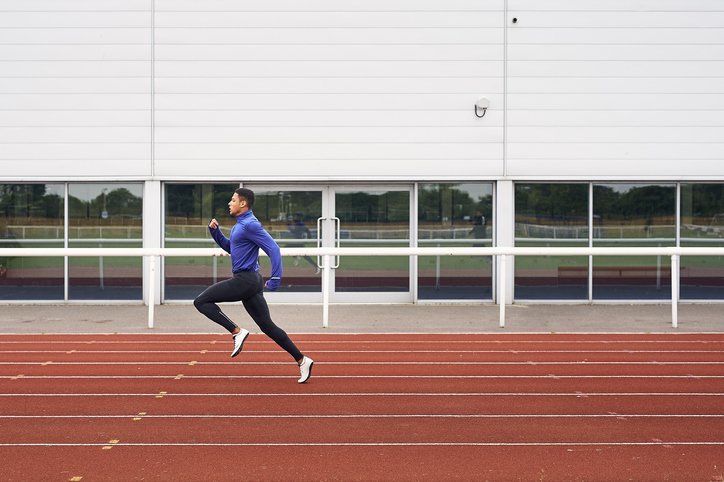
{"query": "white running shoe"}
[(239, 339), (305, 369)]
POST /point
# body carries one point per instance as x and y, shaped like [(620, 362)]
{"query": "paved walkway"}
[(460, 318)]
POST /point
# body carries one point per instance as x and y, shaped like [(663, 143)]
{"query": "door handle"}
[(338, 240), (319, 241)]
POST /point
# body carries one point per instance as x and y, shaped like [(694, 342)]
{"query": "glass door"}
[(339, 215), (370, 216), (294, 216)]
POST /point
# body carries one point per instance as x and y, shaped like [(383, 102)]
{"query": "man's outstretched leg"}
[(257, 307)]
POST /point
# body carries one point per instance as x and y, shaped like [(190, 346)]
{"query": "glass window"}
[(291, 219), (189, 208), (105, 215), (376, 218), (551, 215), (459, 215), (702, 224), (633, 215), (31, 216)]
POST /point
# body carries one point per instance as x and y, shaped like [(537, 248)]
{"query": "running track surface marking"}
[(378, 407)]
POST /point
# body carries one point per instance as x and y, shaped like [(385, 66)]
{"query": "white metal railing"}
[(501, 253)]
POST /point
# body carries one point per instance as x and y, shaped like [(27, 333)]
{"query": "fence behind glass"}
[(455, 215), (631, 215), (372, 217), (105, 215), (188, 210), (551, 215), (31, 216), (702, 224), (291, 217)]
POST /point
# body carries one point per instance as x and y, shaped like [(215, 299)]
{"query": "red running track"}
[(378, 407)]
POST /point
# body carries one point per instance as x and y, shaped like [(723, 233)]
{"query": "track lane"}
[(366, 357), (246, 369), (392, 342), (354, 463), (350, 404), (341, 430), (183, 385)]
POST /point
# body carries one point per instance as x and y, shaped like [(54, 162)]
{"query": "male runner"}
[(247, 285)]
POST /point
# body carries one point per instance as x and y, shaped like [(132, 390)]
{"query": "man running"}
[(247, 285)]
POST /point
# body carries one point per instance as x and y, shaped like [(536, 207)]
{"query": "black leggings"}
[(247, 287)]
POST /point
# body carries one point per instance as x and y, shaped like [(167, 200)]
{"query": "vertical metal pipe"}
[(151, 289), (326, 273), (501, 290), (66, 244), (675, 291)]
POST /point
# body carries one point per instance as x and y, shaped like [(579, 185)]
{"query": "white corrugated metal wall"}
[(615, 89), (348, 89), (328, 88), (75, 89)]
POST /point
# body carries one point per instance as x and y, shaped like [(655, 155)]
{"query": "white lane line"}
[(432, 377), (335, 416), (511, 351), (379, 394), (376, 444), (433, 340), (388, 362)]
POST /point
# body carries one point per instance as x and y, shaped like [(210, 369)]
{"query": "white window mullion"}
[(590, 241), (414, 241), (66, 226)]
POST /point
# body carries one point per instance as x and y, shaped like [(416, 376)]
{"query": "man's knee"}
[(199, 302)]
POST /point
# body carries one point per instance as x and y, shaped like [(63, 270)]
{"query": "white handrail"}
[(501, 252), (381, 251)]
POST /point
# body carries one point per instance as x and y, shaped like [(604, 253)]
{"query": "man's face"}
[(236, 205)]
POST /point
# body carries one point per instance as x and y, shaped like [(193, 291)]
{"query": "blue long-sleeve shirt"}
[(246, 237)]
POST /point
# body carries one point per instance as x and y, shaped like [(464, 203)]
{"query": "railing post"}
[(101, 273), (501, 290), (151, 289), (675, 280), (437, 270), (326, 273)]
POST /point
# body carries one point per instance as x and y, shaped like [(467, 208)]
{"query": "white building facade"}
[(364, 123)]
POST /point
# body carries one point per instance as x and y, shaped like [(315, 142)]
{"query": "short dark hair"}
[(247, 195)]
